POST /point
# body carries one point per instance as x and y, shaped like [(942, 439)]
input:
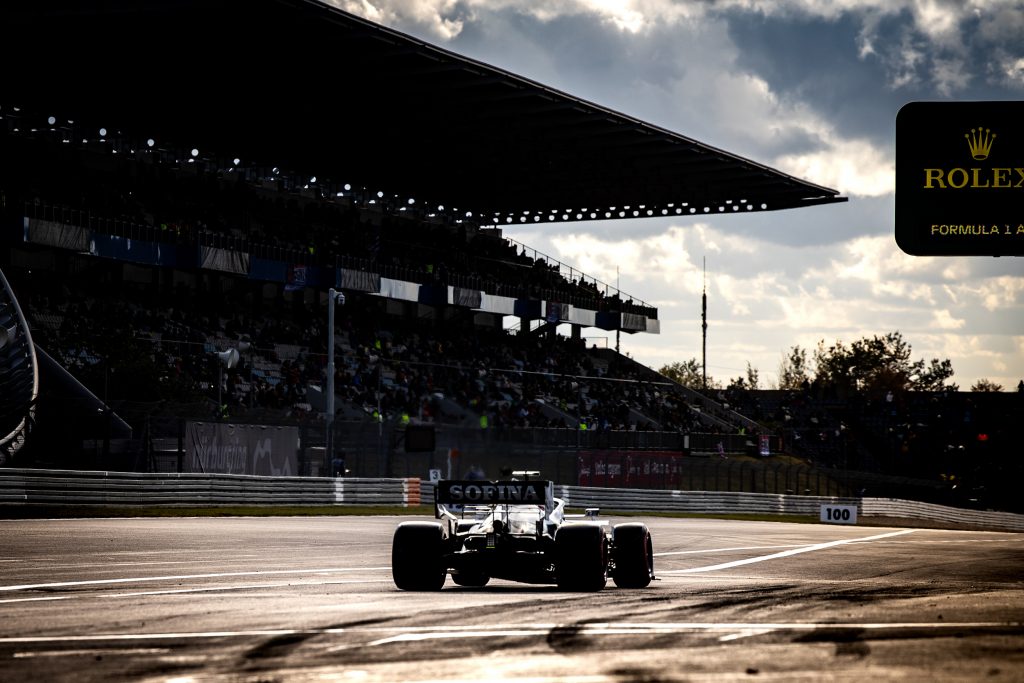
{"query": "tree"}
[(793, 369), (751, 381), (688, 373), (879, 364), (984, 384)]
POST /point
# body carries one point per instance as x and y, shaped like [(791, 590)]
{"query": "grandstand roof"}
[(306, 87)]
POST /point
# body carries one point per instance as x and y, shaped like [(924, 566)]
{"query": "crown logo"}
[(980, 140)]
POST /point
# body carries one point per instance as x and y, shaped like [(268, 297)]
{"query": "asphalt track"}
[(297, 599)]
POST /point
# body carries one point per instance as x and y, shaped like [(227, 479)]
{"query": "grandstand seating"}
[(145, 334)]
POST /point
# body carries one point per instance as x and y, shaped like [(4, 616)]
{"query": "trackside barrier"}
[(71, 487), (891, 507)]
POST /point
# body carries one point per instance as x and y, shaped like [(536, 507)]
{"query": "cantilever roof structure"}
[(298, 84)]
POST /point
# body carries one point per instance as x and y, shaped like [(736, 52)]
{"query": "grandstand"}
[(149, 238)]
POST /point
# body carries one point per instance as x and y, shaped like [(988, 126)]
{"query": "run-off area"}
[(312, 599)]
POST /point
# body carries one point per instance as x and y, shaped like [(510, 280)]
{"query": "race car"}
[(518, 531)]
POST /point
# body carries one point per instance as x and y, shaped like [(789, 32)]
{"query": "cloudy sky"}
[(810, 87)]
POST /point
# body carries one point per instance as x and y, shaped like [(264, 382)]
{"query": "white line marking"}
[(748, 633), (210, 589), (785, 553), (140, 579), (726, 550)]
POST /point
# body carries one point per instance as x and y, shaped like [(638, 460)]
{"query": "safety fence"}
[(70, 487)]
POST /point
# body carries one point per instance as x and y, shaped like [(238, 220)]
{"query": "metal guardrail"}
[(72, 487), (891, 507)]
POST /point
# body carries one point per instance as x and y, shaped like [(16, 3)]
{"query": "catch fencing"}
[(71, 487)]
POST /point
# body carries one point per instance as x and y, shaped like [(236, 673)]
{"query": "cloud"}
[(854, 167), (943, 320), (810, 87)]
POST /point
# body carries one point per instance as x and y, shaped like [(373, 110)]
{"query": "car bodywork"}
[(517, 531)]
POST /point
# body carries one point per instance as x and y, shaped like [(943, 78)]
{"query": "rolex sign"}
[(960, 178)]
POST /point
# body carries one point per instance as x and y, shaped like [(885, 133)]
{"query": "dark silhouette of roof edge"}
[(373, 107)]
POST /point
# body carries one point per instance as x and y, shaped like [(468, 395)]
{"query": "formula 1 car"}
[(518, 531)]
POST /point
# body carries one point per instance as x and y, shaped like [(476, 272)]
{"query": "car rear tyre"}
[(634, 555), (416, 552), (581, 557)]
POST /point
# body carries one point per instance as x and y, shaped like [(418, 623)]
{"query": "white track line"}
[(141, 579), (176, 591), (785, 553), (725, 550)]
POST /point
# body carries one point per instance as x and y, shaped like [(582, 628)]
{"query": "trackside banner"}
[(476, 492), (241, 449)]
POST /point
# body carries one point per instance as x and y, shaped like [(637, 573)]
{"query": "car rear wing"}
[(476, 492)]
